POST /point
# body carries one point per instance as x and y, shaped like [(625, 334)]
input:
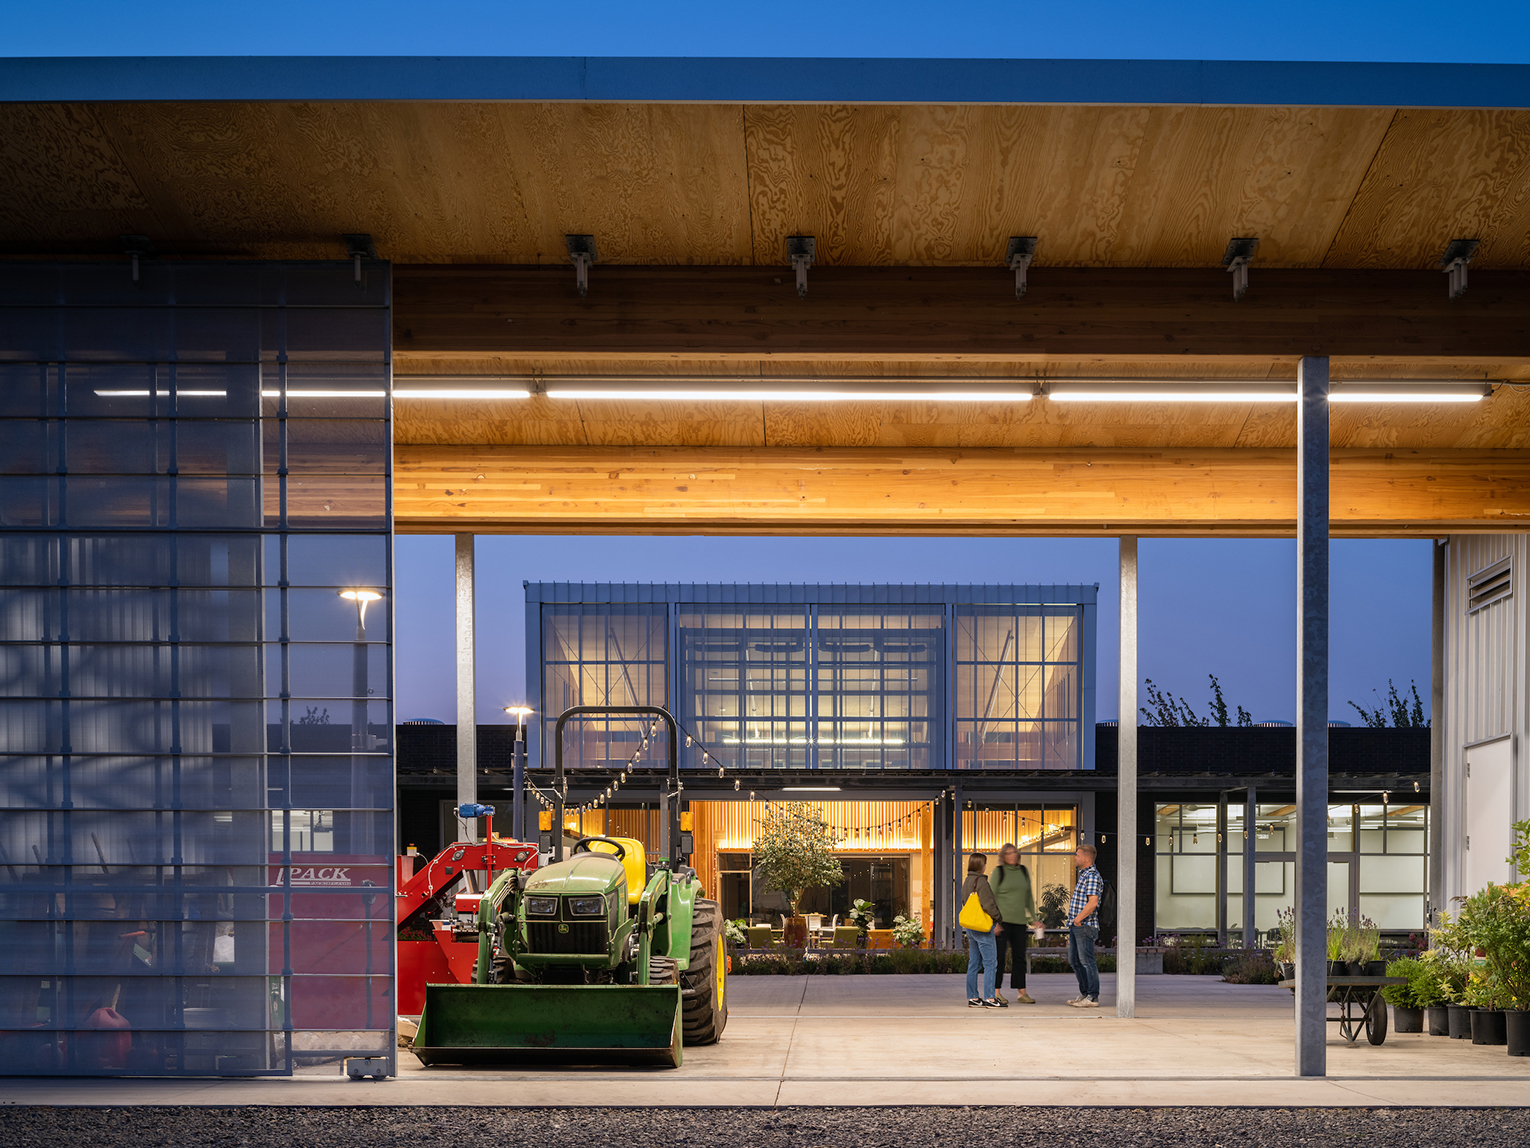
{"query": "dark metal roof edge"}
[(811, 593), (764, 80)]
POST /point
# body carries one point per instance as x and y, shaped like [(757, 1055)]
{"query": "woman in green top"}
[(1011, 883)]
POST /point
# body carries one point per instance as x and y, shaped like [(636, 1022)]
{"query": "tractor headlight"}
[(587, 906), (542, 906)]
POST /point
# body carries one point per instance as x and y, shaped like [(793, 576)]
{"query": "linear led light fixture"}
[(810, 789), (794, 389), (1243, 391), (1169, 391)]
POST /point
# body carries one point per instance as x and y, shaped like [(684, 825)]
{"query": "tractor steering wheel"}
[(584, 844)]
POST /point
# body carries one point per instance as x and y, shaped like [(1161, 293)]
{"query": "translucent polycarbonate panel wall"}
[(814, 687), (607, 655), (1018, 695), (744, 683), (196, 775), (880, 687), (788, 676)]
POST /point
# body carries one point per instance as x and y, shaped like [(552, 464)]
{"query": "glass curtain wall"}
[(1018, 698), (1377, 864), (196, 776)]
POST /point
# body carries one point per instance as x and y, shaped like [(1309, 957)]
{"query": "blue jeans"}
[(1081, 957), (982, 953)]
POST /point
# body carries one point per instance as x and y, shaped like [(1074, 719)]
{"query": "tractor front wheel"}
[(704, 1006)]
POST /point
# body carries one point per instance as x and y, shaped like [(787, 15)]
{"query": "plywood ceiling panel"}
[(1440, 176), (1164, 187), (724, 184), (435, 182)]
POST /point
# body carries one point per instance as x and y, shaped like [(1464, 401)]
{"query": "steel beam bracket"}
[(139, 247), (581, 253), (1022, 249), (359, 246), (1454, 262), (800, 250), (1236, 259)]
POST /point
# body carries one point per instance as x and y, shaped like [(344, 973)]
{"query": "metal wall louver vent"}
[(1489, 585)]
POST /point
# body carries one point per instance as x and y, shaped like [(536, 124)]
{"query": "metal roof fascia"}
[(764, 80)]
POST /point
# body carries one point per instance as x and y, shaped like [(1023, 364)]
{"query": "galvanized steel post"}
[(1126, 791), (1312, 716), (1250, 837), (1436, 736), (467, 690)]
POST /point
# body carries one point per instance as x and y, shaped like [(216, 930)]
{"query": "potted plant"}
[(1407, 1010), (1338, 932), (908, 931), (1285, 947), (1481, 996), (794, 852), (863, 915), (1365, 949), (1429, 992), (1449, 953), (1497, 921)]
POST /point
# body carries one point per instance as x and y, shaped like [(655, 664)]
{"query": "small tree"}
[(1403, 712), (1169, 710), (794, 852)]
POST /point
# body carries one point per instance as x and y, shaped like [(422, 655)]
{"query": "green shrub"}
[(1252, 967), (1423, 989)]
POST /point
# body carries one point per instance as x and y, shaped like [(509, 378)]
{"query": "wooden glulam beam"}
[(876, 491), (879, 313)]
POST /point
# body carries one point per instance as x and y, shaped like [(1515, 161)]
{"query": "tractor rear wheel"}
[(704, 1002)]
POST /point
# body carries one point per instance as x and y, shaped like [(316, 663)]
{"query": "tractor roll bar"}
[(674, 771)]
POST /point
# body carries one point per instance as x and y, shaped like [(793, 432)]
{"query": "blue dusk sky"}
[(1224, 607), (1468, 31), (1208, 606)]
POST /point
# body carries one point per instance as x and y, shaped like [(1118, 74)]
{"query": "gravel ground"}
[(757, 1128)]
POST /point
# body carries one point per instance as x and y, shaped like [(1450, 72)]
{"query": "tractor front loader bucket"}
[(550, 1024)]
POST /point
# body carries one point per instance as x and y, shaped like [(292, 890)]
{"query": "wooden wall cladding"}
[(531, 490)]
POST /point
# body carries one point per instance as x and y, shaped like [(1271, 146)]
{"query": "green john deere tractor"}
[(600, 958)]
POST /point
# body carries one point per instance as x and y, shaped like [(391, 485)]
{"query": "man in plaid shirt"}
[(1084, 927)]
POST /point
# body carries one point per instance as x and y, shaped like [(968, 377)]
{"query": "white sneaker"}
[(1085, 1002)]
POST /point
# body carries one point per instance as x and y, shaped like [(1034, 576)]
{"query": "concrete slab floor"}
[(912, 1040)]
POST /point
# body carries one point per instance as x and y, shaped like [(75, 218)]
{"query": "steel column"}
[(1250, 844), (1222, 869), (1312, 716), (467, 690), (1126, 791), (1437, 735)]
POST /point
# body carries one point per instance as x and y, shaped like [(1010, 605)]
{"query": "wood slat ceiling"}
[(724, 184)]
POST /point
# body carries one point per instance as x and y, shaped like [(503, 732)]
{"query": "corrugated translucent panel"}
[(196, 780)]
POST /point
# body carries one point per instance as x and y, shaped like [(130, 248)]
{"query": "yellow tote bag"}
[(974, 916)]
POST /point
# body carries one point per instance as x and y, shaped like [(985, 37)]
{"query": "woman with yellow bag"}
[(980, 918)]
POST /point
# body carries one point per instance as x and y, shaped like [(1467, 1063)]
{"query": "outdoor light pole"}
[(518, 780), (361, 740), (1312, 717)]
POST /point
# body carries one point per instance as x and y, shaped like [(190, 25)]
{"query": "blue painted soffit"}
[(743, 80)]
